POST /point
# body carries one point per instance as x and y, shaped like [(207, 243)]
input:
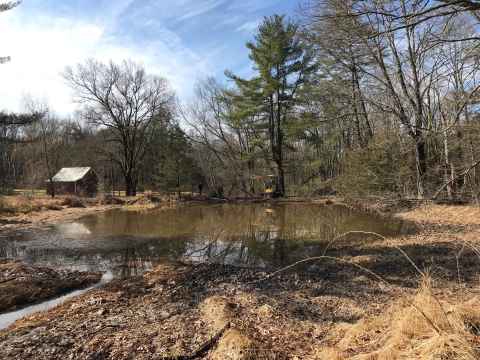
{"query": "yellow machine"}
[(271, 189), (265, 220)]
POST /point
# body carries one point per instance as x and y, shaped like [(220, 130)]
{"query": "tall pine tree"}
[(283, 64)]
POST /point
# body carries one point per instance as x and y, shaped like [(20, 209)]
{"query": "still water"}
[(123, 243)]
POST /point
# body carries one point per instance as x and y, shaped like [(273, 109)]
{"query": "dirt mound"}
[(234, 345)]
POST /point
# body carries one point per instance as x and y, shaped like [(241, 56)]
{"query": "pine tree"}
[(283, 64), (175, 168)]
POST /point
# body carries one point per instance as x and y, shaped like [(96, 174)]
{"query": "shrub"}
[(71, 201), (53, 206), (67, 200), (382, 170), (153, 198)]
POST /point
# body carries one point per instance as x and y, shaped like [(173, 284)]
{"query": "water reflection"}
[(127, 243)]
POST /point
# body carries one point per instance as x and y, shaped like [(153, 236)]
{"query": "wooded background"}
[(371, 100)]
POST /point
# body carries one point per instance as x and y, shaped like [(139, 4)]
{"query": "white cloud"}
[(251, 5), (39, 51), (250, 27), (42, 40), (202, 8), (42, 49)]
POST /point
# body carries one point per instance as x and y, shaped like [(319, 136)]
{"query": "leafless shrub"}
[(54, 206), (71, 201)]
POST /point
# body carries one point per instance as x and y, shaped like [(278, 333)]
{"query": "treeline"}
[(31, 153), (370, 100)]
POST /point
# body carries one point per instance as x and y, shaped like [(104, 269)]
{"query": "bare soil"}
[(22, 285), (215, 311)]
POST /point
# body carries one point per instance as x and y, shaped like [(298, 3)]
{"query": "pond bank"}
[(21, 284), (338, 309)]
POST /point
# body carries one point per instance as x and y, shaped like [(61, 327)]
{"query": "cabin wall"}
[(88, 185)]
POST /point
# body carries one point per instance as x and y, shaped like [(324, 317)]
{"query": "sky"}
[(181, 40)]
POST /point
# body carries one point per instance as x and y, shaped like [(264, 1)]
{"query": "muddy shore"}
[(215, 311)]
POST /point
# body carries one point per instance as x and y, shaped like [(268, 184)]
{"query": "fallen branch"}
[(207, 345), (203, 348), (7, 279)]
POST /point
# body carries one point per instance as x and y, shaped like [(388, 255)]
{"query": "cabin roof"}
[(70, 174)]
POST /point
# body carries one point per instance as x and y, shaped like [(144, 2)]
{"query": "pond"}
[(124, 243)]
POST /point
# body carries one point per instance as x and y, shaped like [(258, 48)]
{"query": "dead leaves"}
[(205, 310)]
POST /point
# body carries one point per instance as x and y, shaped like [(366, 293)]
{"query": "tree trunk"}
[(449, 175), (128, 184), (421, 164)]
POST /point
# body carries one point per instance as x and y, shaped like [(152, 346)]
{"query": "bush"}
[(111, 200), (53, 206), (101, 198), (71, 201), (382, 170), (67, 200), (153, 198)]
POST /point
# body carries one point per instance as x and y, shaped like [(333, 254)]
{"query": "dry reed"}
[(419, 328)]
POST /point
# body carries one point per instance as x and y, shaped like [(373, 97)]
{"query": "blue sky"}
[(178, 39)]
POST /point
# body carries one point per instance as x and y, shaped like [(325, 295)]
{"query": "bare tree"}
[(224, 144), (418, 12), (45, 131), (125, 101), (11, 130)]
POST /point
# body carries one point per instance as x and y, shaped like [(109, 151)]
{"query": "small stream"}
[(125, 243)]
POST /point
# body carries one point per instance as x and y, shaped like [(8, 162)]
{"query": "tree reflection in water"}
[(136, 259), (127, 243)]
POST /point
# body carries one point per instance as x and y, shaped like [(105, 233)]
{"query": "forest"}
[(371, 100)]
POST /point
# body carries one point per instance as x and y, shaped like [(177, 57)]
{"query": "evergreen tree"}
[(175, 167), (283, 63)]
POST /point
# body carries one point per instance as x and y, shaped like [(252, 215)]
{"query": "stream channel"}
[(124, 243)]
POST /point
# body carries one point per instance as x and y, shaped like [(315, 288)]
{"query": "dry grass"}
[(444, 214), (418, 328), (34, 193), (16, 200), (217, 313), (139, 207), (54, 206), (19, 204)]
